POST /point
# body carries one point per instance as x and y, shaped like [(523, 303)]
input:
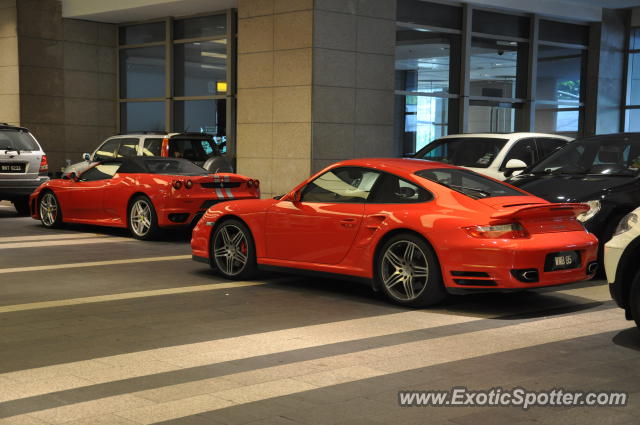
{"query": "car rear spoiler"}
[(542, 211)]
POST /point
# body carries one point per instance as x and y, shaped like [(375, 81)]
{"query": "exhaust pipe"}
[(592, 268)]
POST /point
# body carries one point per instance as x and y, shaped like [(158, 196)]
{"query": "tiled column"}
[(9, 69), (274, 92), (315, 85)]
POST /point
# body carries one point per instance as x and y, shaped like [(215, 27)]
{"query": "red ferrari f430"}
[(144, 194), (415, 229)]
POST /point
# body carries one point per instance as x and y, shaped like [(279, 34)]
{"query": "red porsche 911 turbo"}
[(416, 229), (144, 194)]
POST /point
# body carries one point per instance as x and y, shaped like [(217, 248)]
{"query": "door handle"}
[(348, 222)]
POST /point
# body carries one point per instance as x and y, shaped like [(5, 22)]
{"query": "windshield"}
[(197, 150), (468, 183), (477, 152), (14, 139), (620, 157)]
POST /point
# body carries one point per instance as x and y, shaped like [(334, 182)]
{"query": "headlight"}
[(594, 207), (627, 222)]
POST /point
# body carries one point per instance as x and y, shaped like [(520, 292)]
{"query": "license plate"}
[(562, 261), (12, 167)]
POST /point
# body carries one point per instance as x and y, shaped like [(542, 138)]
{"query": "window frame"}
[(536, 153), (365, 200), (627, 106)]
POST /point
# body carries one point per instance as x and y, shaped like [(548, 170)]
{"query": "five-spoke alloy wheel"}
[(407, 271), (49, 210), (233, 250), (143, 222)]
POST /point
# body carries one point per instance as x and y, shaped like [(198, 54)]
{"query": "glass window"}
[(494, 68), (547, 146), (632, 120), (557, 119), (17, 139), (142, 116), (348, 184), (477, 152), (128, 147), (500, 24), (468, 183), (200, 68), (143, 33), (394, 190), (613, 156), (152, 147), (107, 150), (196, 150), (524, 150), (633, 85), (432, 14), (100, 172), (560, 74), (202, 26), (423, 61), (635, 39), (492, 117), (173, 167), (419, 120), (564, 32), (201, 116), (142, 72)]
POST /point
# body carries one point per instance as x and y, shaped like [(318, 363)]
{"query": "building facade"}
[(293, 85)]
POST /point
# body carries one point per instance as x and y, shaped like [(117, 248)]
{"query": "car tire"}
[(634, 300), (232, 250), (142, 219), (49, 210), (22, 206), (408, 272)]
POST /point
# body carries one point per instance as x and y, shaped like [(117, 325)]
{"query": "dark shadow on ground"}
[(628, 338)]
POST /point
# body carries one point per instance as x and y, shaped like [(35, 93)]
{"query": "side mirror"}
[(516, 164), (86, 157)]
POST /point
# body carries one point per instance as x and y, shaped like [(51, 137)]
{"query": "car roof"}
[(5, 126), (162, 134), (395, 165), (505, 135)]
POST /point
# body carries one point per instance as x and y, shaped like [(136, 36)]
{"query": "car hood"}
[(568, 188)]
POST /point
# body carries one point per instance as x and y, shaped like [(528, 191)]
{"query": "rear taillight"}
[(256, 183), (253, 183), (188, 184), (250, 183), (500, 231), (177, 184), (44, 164)]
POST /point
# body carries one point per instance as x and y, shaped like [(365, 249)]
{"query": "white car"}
[(621, 264), (494, 155)]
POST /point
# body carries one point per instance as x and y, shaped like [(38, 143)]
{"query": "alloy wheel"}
[(140, 217), (48, 209), (405, 270), (230, 250)]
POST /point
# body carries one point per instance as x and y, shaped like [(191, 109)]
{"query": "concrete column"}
[(315, 85), (9, 69)]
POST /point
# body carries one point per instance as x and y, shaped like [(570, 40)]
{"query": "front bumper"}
[(17, 188), (494, 264)]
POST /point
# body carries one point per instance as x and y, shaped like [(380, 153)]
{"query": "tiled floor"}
[(126, 340)]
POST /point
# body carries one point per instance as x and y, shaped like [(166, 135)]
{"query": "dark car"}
[(601, 171)]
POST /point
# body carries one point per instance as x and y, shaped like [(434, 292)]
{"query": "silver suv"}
[(200, 148), (23, 166)]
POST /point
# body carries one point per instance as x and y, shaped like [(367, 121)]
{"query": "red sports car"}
[(416, 229), (141, 193)]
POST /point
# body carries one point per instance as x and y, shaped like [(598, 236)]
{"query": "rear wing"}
[(542, 211)]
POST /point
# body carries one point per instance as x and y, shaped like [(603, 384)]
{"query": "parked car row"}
[(414, 229)]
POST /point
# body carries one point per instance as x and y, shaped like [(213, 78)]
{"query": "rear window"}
[(17, 140), (163, 166), (468, 183), (198, 150)]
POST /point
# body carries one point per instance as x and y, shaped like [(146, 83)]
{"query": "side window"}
[(152, 147), (394, 190), (107, 150), (548, 146), (348, 184), (128, 147), (100, 172), (524, 150)]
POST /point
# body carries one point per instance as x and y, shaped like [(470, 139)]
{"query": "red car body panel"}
[(106, 202), (343, 238)]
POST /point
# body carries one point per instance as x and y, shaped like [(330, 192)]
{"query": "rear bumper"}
[(186, 212), (494, 264), (13, 188)]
